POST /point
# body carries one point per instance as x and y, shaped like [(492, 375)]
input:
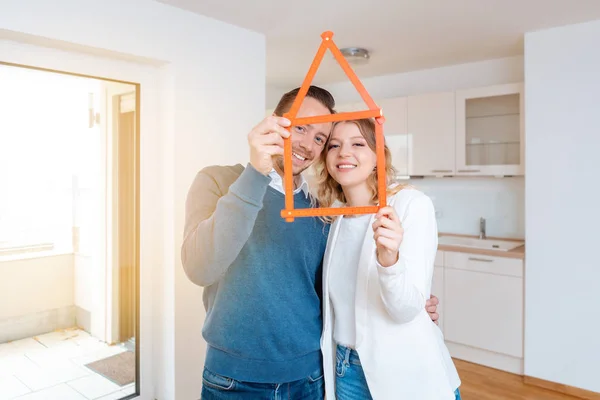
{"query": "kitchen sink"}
[(486, 244)]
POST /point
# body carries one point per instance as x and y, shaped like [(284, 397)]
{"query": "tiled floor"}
[(52, 366)]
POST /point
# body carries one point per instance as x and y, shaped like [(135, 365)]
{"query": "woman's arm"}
[(404, 285)]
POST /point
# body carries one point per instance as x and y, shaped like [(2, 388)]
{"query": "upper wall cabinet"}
[(395, 132), (431, 137), (473, 132), (490, 131)]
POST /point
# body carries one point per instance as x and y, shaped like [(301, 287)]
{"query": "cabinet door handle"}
[(441, 170), (479, 259), (469, 170)]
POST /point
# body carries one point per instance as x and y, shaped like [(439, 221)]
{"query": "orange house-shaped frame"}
[(289, 213)]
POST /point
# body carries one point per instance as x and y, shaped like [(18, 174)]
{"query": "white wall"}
[(31, 285), (198, 83), (460, 202), (36, 295), (273, 94), (562, 86)]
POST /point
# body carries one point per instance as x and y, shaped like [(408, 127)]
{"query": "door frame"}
[(147, 78), (112, 92)]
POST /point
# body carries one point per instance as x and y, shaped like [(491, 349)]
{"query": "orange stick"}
[(288, 183), (320, 212), (287, 145), (381, 175), (347, 116), (374, 112)]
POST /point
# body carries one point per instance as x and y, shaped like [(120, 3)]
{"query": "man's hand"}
[(431, 307), (266, 140)]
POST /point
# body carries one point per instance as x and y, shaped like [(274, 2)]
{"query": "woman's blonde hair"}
[(329, 191)]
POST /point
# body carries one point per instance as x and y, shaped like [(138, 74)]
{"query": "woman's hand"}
[(388, 235)]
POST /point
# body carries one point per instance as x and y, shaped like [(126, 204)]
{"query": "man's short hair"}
[(321, 95)]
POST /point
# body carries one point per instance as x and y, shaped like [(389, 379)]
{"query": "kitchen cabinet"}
[(431, 134), (490, 130), (437, 286), (484, 310), (395, 131), (483, 302), (469, 132)]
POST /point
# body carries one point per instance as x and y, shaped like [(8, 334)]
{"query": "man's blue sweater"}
[(262, 278)]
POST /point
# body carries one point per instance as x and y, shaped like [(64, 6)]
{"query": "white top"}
[(401, 350), (344, 268)]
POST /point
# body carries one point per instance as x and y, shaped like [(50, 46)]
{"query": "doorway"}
[(69, 236)]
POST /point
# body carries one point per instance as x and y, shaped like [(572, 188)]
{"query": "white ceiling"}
[(402, 35)]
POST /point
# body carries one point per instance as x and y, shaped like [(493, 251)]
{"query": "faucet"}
[(482, 234)]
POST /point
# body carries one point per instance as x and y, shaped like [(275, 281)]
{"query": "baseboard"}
[(26, 326), (487, 358), (559, 387)]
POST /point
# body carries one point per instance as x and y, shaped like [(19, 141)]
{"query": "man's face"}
[(308, 141)]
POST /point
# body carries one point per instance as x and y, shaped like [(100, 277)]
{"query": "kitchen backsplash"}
[(460, 202)]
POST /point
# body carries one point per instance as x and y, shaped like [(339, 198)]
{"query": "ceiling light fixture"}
[(356, 55)]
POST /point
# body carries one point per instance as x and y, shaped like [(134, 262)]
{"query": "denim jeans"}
[(350, 381), (218, 387)]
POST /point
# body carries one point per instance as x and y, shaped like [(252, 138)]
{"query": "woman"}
[(378, 341)]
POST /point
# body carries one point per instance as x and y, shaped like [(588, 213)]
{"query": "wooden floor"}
[(481, 383)]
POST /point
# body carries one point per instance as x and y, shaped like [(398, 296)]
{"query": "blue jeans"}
[(218, 387), (350, 381)]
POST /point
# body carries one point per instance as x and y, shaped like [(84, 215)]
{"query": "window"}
[(46, 158)]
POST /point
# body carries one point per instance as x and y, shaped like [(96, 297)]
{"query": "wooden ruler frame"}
[(374, 111)]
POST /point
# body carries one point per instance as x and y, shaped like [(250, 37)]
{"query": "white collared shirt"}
[(277, 183)]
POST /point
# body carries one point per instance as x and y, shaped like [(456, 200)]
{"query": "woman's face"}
[(350, 160)]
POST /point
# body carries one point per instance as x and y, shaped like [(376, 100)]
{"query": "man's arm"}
[(217, 225), (404, 284)]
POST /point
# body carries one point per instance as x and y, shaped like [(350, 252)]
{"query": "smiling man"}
[(261, 275)]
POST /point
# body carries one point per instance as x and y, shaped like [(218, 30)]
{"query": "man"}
[(261, 274)]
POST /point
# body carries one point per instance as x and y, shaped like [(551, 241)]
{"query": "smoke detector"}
[(356, 55)]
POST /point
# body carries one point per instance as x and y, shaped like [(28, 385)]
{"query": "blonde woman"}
[(378, 341)]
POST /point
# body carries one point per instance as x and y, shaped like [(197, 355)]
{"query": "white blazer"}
[(401, 350)]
